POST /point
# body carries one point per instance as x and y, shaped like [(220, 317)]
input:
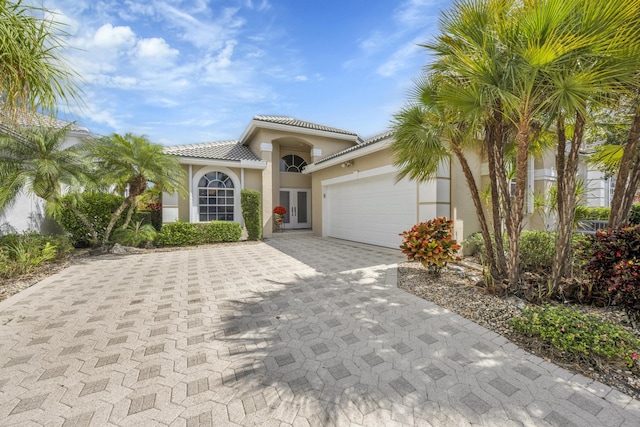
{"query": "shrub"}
[(537, 249), (592, 213), (21, 253), (97, 207), (136, 234), (252, 213), (614, 266), (574, 332), (634, 215), (187, 233), (221, 231), (474, 244), (431, 243)]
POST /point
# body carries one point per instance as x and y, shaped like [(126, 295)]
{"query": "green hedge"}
[(187, 233), (584, 213), (252, 213), (97, 207)]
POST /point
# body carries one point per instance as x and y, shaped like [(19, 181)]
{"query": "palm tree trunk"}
[(494, 135), (628, 177), (130, 213), (515, 208), (114, 218), (477, 203), (567, 169)]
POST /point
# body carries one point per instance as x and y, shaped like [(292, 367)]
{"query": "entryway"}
[(297, 201)]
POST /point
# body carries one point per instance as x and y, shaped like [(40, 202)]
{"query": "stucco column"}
[(316, 154), (266, 153)]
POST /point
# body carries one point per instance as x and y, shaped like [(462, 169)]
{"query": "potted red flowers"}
[(278, 213)]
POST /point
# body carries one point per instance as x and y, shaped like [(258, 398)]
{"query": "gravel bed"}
[(455, 290)]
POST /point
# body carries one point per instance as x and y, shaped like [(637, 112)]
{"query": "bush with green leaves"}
[(592, 213), (575, 332), (634, 215), (614, 267), (431, 243), (537, 249), (97, 207), (21, 253), (188, 233), (136, 234), (252, 213)]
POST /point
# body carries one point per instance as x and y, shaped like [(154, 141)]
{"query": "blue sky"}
[(189, 71)]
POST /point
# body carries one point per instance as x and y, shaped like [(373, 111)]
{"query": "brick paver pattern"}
[(296, 331)]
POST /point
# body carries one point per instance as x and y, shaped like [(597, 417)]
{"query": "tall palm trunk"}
[(567, 169), (494, 141), (628, 176), (496, 274), (515, 209)]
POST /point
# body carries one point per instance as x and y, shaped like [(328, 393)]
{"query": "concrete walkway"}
[(299, 331)]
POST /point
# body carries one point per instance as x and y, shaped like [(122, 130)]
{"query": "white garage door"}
[(371, 210)]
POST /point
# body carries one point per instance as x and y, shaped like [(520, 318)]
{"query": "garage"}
[(373, 209)]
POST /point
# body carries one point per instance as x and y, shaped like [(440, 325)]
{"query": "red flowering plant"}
[(431, 243), (279, 210)]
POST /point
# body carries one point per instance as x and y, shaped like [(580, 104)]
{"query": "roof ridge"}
[(202, 144), (293, 121)]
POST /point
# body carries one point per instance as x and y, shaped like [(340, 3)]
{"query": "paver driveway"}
[(298, 331)]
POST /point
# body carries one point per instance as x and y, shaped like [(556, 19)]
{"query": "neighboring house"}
[(27, 213)]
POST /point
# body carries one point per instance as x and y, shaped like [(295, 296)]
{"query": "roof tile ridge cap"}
[(201, 144)]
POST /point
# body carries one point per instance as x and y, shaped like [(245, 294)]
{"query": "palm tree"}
[(33, 75), (427, 132), (130, 162), (35, 161)]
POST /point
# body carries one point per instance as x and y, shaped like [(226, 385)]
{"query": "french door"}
[(297, 202)]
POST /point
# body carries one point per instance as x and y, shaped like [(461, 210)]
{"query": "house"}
[(27, 213), (330, 180)]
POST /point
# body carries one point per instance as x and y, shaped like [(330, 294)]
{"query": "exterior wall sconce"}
[(347, 164)]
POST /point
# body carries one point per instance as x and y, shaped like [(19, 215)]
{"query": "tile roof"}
[(366, 142), (290, 121), (222, 150), (39, 120)]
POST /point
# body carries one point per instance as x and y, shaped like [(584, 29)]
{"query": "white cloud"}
[(114, 38), (301, 78), (415, 13), (399, 60), (155, 49)]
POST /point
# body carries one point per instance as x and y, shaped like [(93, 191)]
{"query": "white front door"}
[(297, 202)]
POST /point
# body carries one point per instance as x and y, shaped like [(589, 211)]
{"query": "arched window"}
[(292, 163), (215, 197)]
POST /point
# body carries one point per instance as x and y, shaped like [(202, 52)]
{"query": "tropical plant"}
[(131, 162), (21, 253), (34, 161), (33, 73), (431, 243), (614, 266), (136, 234)]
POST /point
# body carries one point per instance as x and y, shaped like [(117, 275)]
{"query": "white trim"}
[(190, 212), (237, 186), (266, 146), (383, 170), (290, 128), (316, 152), (373, 148), (248, 164)]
